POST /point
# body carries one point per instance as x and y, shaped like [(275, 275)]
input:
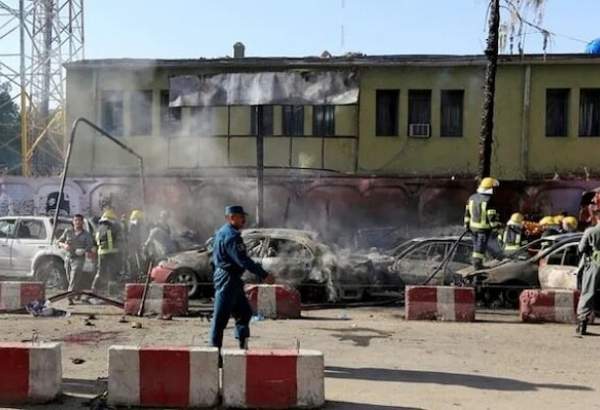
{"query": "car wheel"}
[(52, 273), (511, 292), (188, 278)]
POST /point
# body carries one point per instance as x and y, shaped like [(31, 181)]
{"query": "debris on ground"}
[(136, 325), (43, 308), (77, 360)]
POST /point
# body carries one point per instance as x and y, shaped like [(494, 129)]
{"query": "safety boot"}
[(581, 328)]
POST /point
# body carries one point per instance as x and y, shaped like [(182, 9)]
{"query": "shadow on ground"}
[(452, 379), (343, 405)]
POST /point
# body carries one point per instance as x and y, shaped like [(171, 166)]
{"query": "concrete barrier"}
[(539, 306), (273, 379), (274, 301), (16, 295), (30, 373), (162, 299), (163, 376), (439, 303)]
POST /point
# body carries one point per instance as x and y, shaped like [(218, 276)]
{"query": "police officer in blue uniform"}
[(230, 262)]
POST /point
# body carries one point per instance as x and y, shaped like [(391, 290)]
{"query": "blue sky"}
[(201, 28)]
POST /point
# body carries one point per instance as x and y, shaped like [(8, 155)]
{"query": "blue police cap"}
[(235, 209)]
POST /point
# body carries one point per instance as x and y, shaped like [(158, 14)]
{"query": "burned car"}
[(417, 259), (501, 281), (295, 257)]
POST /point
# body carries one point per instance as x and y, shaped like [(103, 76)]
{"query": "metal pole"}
[(68, 158), (24, 134), (260, 167)]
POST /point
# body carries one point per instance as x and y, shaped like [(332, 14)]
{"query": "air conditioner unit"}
[(419, 130)]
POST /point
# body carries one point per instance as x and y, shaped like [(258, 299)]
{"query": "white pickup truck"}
[(26, 253)]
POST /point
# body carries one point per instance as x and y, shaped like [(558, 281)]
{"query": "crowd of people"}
[(123, 246)]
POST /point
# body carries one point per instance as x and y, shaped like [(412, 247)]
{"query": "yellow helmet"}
[(517, 218), (558, 219), (547, 221), (488, 184), (136, 215), (570, 222), (109, 214)]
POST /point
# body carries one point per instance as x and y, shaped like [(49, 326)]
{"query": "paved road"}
[(374, 359)]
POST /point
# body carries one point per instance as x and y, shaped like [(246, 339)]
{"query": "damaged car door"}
[(558, 270), (291, 262), (420, 262)]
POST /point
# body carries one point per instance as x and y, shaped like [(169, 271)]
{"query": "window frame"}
[(11, 235), (146, 130), (267, 111), (328, 126), (567, 103), (173, 115), (295, 111), (394, 95), (105, 102), (461, 128), (25, 221), (597, 113)]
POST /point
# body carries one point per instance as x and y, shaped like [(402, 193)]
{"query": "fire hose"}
[(445, 261)]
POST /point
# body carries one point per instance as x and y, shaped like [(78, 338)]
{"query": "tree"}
[(10, 146), (517, 9)]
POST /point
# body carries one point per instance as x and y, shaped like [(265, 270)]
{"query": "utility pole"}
[(260, 167), (487, 119)]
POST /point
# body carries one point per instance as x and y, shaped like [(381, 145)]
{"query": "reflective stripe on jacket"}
[(478, 215)]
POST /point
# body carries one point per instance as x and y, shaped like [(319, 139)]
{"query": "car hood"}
[(504, 271), (188, 259)]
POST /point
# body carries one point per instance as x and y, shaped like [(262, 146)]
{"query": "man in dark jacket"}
[(231, 261)]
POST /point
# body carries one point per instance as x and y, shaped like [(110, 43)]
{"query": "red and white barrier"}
[(162, 299), (163, 376), (273, 379), (537, 305), (16, 295), (30, 373), (274, 301), (440, 303)]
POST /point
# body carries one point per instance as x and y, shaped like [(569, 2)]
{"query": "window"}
[(141, 112), (386, 112), (571, 257), (452, 113), (111, 107), (589, 113), (462, 254), (170, 117), (419, 107), (266, 120), (557, 112), (283, 248), (7, 228), (293, 120), (324, 120), (201, 121), (31, 229)]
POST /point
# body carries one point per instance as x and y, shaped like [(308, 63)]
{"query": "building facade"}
[(409, 143)]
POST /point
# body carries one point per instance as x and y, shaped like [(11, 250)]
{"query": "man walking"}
[(77, 242), (230, 261), (589, 248)]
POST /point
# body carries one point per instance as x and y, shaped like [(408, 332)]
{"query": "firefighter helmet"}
[(517, 218)]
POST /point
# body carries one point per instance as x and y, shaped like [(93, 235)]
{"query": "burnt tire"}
[(52, 273), (186, 277), (510, 292)]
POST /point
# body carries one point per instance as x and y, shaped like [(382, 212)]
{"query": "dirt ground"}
[(375, 360)]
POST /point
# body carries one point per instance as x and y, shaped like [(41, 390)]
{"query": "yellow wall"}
[(519, 148)]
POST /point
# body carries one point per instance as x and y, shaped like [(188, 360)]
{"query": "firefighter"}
[(136, 232), (569, 224), (159, 243), (589, 248), (550, 226), (481, 220), (108, 242), (512, 237), (230, 261), (76, 241)]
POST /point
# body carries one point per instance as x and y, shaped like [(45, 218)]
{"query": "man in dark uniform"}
[(589, 248), (481, 220), (231, 261), (77, 242)]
